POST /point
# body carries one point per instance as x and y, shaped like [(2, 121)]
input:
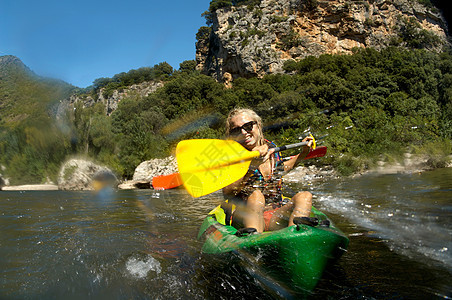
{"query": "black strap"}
[(245, 231)]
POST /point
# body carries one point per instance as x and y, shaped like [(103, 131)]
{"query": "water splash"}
[(140, 267), (407, 228)]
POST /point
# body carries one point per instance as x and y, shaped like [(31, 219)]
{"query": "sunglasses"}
[(247, 127)]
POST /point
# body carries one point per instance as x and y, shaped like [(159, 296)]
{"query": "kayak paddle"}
[(170, 181), (207, 165)]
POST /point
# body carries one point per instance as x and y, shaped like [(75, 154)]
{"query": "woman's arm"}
[(293, 162), (235, 187)]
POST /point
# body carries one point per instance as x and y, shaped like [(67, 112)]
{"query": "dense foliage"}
[(371, 105), (31, 145)]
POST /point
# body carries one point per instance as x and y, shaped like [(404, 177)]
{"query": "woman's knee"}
[(256, 200), (302, 198)]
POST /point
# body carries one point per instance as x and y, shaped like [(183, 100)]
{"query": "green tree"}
[(187, 66)]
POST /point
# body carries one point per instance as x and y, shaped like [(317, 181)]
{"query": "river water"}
[(141, 244)]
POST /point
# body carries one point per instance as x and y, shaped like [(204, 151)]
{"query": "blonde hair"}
[(253, 115)]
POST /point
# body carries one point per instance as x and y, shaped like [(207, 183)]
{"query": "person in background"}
[(256, 200)]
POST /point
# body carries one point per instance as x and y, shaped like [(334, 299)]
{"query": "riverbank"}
[(30, 187), (409, 164)]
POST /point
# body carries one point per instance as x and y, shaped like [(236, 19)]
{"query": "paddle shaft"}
[(207, 165), (290, 146), (164, 182), (254, 154)]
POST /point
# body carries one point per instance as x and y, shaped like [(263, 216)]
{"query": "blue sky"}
[(79, 41)]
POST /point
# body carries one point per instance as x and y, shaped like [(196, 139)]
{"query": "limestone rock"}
[(138, 90), (78, 174), (154, 167), (2, 182), (111, 103), (308, 173), (249, 41)]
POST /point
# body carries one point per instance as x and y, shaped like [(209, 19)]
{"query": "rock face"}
[(2, 182), (253, 41), (111, 103), (78, 174), (154, 167)]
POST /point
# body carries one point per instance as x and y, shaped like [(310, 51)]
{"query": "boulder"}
[(80, 174), (154, 167), (3, 180), (132, 185), (142, 178)]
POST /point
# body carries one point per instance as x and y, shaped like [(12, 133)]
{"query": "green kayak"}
[(296, 255)]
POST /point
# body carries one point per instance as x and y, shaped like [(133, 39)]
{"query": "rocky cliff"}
[(111, 102), (247, 41)]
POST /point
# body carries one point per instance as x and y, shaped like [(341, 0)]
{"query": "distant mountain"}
[(10, 65), (25, 96)]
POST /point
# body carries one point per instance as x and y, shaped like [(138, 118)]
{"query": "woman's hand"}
[(310, 141), (292, 163), (263, 150), (264, 156)]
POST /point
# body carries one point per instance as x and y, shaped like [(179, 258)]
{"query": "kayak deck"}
[(296, 255)]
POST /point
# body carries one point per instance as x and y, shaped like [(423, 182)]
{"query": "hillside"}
[(31, 144), (25, 96)]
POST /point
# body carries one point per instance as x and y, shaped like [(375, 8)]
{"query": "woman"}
[(256, 199)]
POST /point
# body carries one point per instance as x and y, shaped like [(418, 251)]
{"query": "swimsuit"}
[(271, 189)]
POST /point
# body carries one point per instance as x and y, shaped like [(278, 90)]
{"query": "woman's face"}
[(244, 130)]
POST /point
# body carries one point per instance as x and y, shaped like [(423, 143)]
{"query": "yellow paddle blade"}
[(207, 165)]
